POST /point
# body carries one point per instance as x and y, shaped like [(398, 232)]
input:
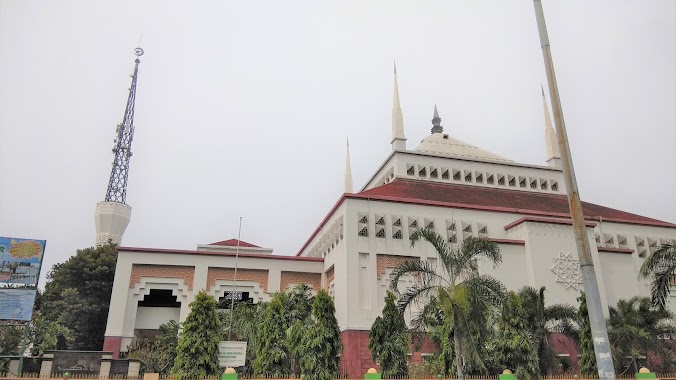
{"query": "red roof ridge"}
[(233, 243)]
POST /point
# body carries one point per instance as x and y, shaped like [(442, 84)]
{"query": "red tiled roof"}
[(501, 200), (233, 243)]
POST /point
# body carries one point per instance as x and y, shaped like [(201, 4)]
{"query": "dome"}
[(439, 143)]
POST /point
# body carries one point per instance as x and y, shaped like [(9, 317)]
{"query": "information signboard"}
[(20, 263), (231, 354)]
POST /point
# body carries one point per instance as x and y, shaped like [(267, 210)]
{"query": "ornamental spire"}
[(398, 137), (551, 142), (348, 171), (436, 122), (117, 186)]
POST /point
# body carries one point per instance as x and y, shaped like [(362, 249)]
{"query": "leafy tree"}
[(272, 356), (10, 341), (77, 295), (587, 357), (634, 327), (48, 335), (453, 288), (197, 348), (322, 343), (515, 347), (660, 268), (541, 320), (299, 314), (157, 356), (388, 341)]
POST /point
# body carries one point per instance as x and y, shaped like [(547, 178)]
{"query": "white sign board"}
[(231, 354)]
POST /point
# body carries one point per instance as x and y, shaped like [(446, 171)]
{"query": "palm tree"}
[(543, 320), (634, 329), (454, 287), (660, 267)]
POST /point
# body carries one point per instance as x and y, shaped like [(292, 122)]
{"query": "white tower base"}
[(111, 219)]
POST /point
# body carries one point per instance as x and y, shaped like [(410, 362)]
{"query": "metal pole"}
[(234, 280), (24, 343), (604, 360)]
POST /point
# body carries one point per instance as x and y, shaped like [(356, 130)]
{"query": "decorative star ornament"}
[(567, 270)]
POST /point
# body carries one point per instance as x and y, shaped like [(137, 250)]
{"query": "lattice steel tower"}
[(113, 214)]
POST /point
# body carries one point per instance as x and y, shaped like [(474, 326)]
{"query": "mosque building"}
[(445, 184)]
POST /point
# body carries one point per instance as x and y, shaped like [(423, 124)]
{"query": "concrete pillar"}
[(134, 368), (151, 376), (106, 362), (13, 368), (46, 365)]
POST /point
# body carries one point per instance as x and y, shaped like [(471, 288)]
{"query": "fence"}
[(665, 376)]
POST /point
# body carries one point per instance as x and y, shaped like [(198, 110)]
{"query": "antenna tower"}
[(117, 186)]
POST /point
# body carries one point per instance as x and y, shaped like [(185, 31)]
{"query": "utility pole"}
[(604, 361)]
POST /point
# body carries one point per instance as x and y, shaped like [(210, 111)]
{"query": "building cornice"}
[(216, 253)]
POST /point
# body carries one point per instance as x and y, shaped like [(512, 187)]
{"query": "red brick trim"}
[(112, 344), (139, 271), (314, 280), (228, 274), (383, 262)]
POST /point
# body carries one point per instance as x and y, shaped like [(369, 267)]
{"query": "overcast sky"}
[(243, 107)]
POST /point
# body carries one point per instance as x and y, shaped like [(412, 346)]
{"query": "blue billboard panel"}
[(20, 261), (16, 304)]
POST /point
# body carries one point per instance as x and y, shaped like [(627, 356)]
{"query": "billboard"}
[(20, 262)]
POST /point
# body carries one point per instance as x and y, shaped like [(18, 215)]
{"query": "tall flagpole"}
[(234, 280), (604, 361)]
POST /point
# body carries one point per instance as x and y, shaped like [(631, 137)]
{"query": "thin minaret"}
[(398, 137), (553, 154), (348, 171), (436, 122), (113, 214)]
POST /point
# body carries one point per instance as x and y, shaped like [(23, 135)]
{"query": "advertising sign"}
[(20, 262), (17, 304), (231, 354)]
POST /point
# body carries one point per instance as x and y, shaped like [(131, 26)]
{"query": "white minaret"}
[(113, 214), (553, 154), (348, 171), (398, 138)]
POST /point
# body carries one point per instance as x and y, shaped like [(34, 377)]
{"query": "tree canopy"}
[(516, 348), (77, 297), (197, 348), (322, 344), (660, 268), (454, 287), (388, 340)]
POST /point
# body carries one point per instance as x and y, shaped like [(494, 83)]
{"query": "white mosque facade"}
[(445, 184)]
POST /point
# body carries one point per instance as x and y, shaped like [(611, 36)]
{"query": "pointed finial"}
[(436, 122), (348, 170), (551, 142), (398, 137), (395, 67)]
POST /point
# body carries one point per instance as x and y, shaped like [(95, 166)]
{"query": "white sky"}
[(243, 107)]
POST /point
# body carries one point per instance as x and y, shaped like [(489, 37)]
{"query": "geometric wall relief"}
[(567, 270), (362, 225), (451, 231)]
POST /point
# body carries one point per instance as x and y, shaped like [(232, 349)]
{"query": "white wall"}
[(150, 318)]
